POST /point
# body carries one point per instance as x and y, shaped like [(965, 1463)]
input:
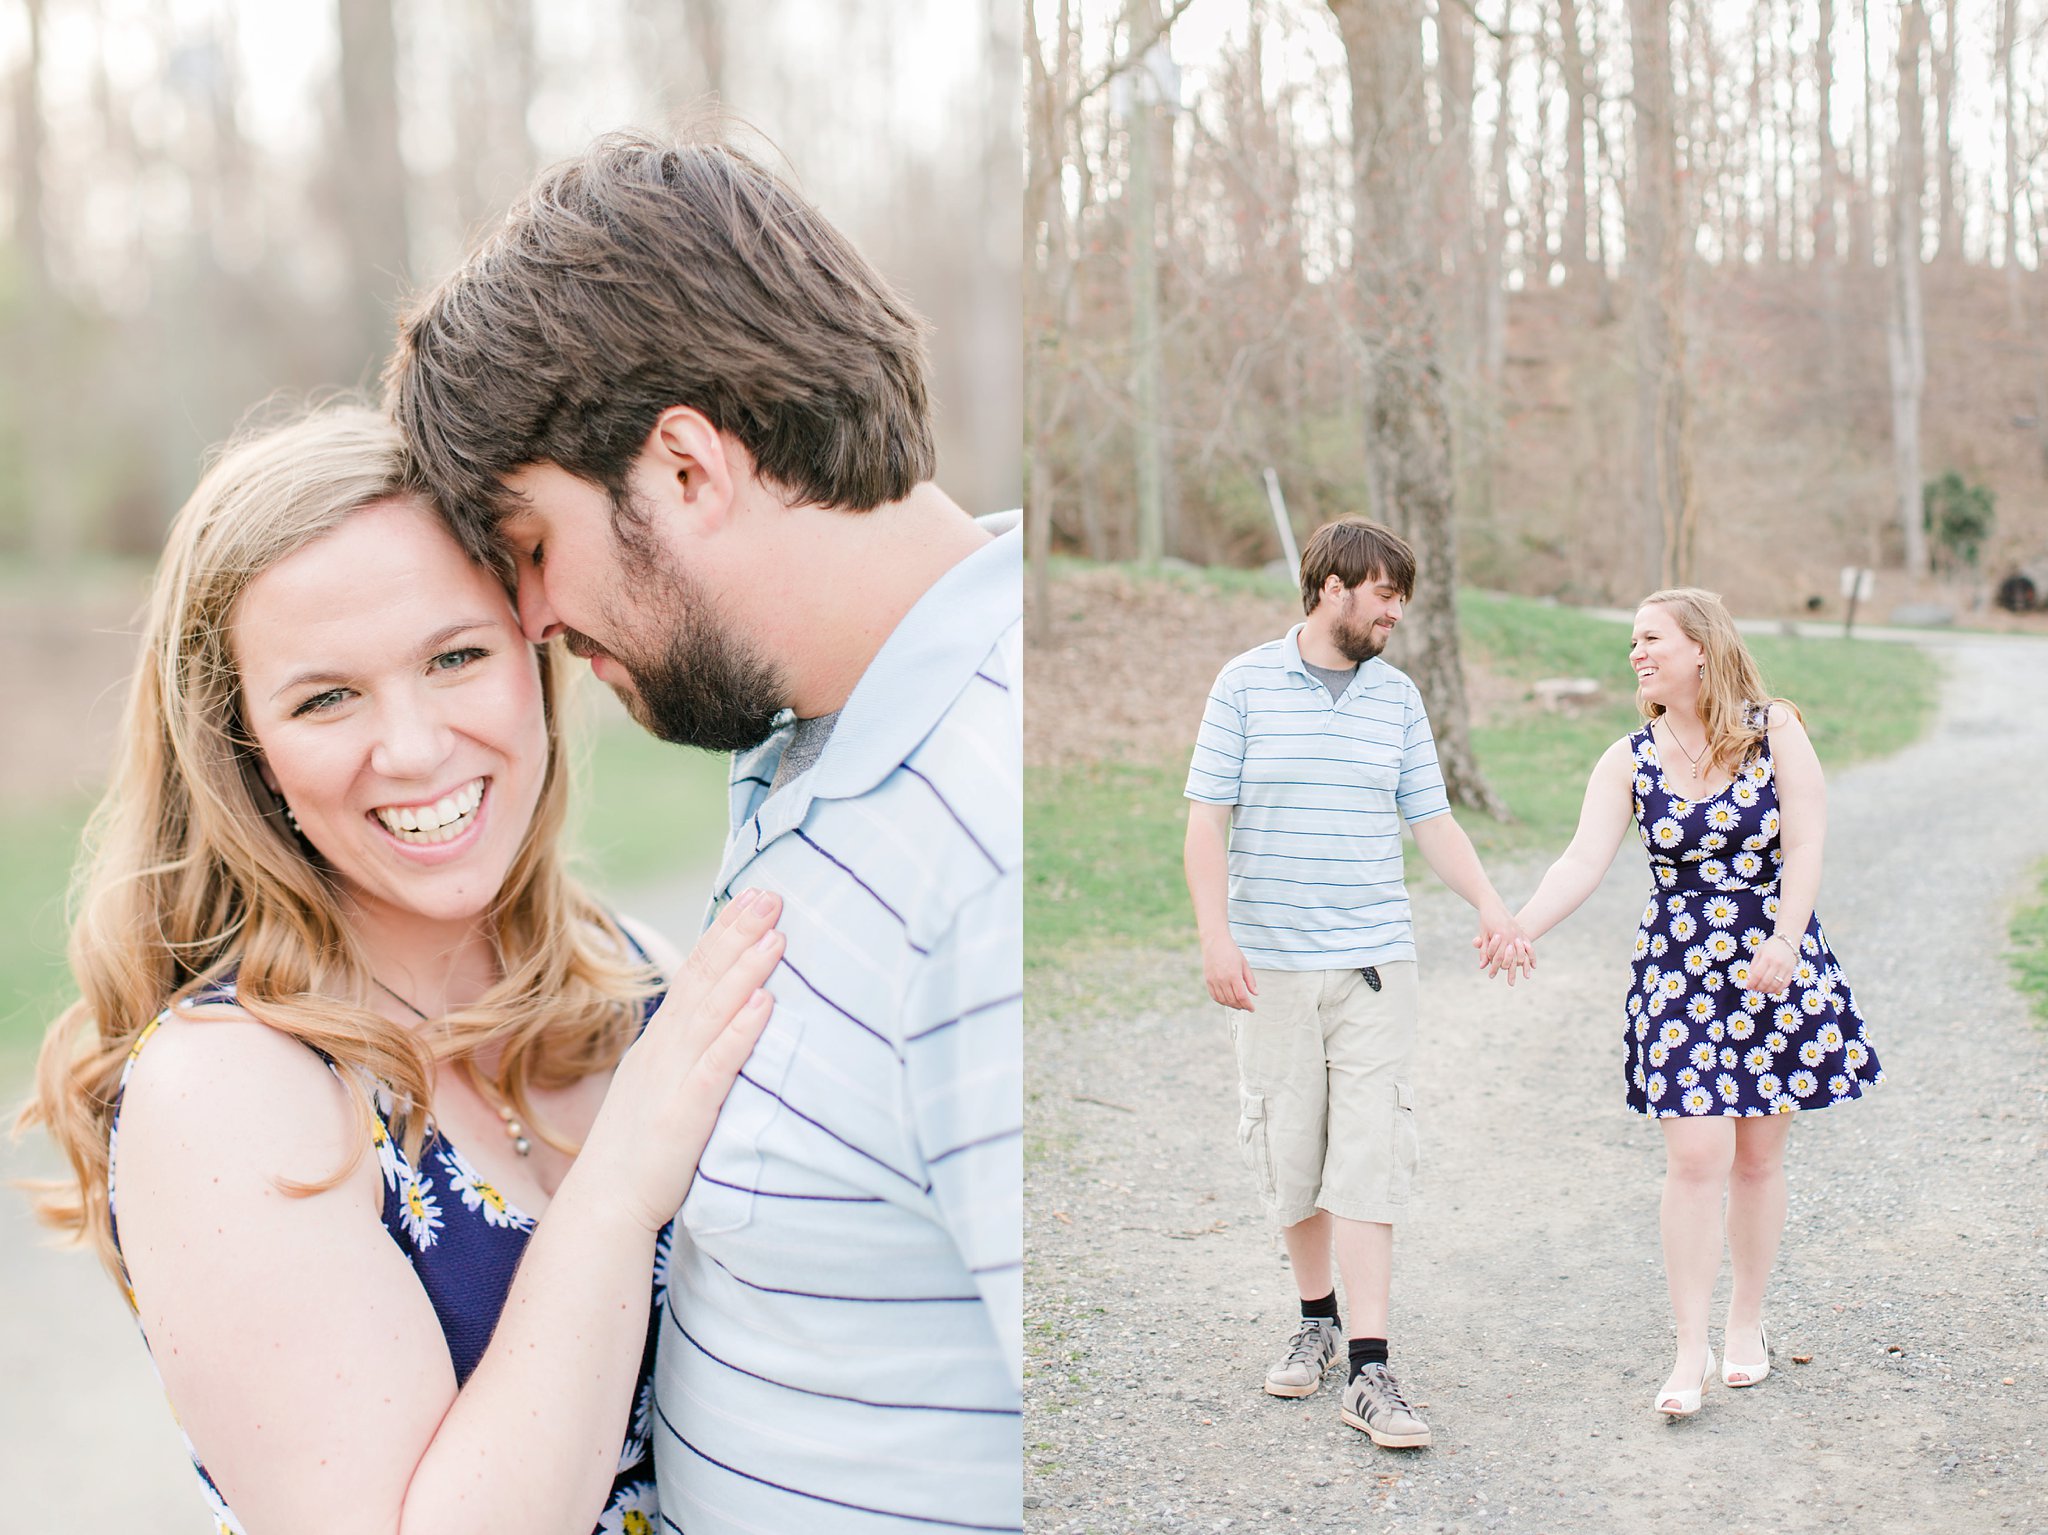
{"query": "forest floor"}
[(1529, 1304)]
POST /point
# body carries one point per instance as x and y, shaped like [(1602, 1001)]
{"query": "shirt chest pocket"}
[(1373, 764), (724, 1192)]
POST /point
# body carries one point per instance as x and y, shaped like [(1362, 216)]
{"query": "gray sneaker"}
[(1373, 1403), (1310, 1352)]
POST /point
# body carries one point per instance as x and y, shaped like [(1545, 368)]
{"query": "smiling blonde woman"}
[(1739, 1013), (377, 1118)]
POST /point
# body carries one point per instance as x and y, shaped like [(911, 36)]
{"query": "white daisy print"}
[(1701, 1009), (1642, 1028), (1725, 1086), (1666, 875), (1683, 927), (1715, 1031), (1657, 1005), (1748, 865), (1720, 911), (1667, 832), (1804, 973), (1714, 872), (1650, 912), (1754, 938), (1770, 906), (478, 1194), (1703, 1056), (1635, 1005), (1689, 1077), (1744, 793), (1676, 1034), (1681, 808), (634, 1511), (418, 1210), (1721, 946), (1713, 842), (1810, 1053), (1728, 1059), (1741, 1026), (1696, 960), (1643, 785), (1673, 985), (1855, 1055), (1698, 1101), (1769, 1085), (1808, 944), (1654, 1088), (1805, 1084), (1712, 980), (1721, 816), (390, 1161), (1658, 1053), (1814, 1003), (1770, 822), (1757, 1061), (1787, 1017), (1675, 905), (1784, 1104), (1659, 946), (1776, 1043), (1838, 1086), (1754, 844)]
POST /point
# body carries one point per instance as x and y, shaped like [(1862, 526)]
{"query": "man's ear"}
[(683, 469), (1333, 587)]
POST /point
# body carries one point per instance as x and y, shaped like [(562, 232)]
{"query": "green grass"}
[(1102, 842), (2029, 955), (648, 810)]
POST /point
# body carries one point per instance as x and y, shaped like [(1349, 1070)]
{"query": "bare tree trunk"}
[(1142, 22), (494, 150), (1408, 430), (373, 178), (2015, 309), (1826, 232), (1657, 246), (1905, 335), (1604, 170), (1862, 210), (1949, 214), (53, 531), (1045, 299), (1576, 90)]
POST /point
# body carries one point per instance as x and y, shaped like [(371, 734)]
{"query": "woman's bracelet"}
[(1790, 947)]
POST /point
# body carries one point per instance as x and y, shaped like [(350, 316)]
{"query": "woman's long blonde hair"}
[(1732, 702), (189, 872)]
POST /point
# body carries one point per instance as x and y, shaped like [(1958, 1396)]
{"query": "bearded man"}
[(1312, 753)]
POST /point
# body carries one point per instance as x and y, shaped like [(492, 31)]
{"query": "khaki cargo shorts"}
[(1327, 1116)]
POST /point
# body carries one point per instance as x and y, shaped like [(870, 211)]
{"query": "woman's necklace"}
[(1692, 759), (514, 1130)]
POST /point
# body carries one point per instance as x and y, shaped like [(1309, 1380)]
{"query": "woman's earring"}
[(1703, 678), (291, 816)]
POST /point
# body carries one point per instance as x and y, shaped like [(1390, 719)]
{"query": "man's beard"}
[(1358, 645), (706, 686)]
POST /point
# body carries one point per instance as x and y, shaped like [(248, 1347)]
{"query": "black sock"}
[(1326, 1308), (1365, 1351)]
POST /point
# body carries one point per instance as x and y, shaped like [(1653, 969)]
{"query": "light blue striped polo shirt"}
[(1321, 787), (842, 1348)]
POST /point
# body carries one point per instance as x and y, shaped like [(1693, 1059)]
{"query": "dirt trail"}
[(1529, 1302)]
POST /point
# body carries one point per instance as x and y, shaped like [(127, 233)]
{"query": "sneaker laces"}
[(1389, 1388), (1307, 1342)]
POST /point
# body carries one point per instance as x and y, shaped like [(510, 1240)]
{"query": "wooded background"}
[(1586, 296), (205, 201)]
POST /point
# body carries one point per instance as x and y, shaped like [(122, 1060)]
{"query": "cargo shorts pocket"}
[(1407, 1148), (1253, 1143)]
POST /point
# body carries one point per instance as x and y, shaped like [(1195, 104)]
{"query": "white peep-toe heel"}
[(1755, 1372), (1687, 1402)]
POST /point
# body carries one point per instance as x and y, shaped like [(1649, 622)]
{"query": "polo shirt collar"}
[(1299, 667), (923, 665)]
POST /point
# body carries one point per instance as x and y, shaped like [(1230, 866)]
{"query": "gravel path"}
[(86, 1440), (1529, 1302)]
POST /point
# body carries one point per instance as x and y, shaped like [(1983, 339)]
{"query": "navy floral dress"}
[(464, 1240), (1699, 1040)]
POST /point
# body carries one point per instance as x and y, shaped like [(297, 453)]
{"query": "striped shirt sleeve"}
[(1217, 769), (1421, 792), (964, 1057)]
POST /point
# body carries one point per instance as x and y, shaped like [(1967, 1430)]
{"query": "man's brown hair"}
[(642, 275), (1354, 550)]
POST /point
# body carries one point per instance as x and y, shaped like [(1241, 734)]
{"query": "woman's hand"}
[(1771, 966), (668, 1089)]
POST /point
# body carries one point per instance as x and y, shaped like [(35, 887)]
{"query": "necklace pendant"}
[(522, 1145)]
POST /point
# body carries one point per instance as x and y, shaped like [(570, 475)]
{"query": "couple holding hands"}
[(1312, 753)]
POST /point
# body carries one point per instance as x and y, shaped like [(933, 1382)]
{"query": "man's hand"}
[(1501, 943), (1229, 978)]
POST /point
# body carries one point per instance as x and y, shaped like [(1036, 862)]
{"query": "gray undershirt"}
[(806, 744), (1335, 681)]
